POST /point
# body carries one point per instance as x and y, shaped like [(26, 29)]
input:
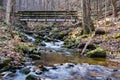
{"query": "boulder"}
[(4, 63), (31, 77), (25, 48), (97, 53), (116, 36), (38, 72), (25, 70), (100, 30)]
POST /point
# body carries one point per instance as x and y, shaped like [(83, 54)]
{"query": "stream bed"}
[(65, 64)]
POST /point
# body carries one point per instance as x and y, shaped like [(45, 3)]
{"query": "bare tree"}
[(1, 2), (8, 11), (100, 8), (86, 17), (114, 7)]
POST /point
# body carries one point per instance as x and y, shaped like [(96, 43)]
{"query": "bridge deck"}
[(49, 16)]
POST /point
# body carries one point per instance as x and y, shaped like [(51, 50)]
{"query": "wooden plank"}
[(48, 12), (49, 20)]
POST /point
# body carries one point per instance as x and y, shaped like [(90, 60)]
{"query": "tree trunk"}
[(86, 17), (8, 11), (113, 3), (1, 2), (99, 8)]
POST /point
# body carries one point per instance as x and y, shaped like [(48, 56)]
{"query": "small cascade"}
[(31, 38), (28, 61), (54, 45)]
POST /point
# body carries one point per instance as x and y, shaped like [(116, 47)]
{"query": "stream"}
[(65, 64)]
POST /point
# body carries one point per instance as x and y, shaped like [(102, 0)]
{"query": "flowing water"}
[(68, 67)]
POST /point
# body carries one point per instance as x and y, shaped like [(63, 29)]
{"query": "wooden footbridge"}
[(47, 10)]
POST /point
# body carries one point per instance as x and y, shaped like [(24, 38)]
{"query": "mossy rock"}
[(118, 50), (117, 36), (60, 35), (31, 77), (14, 33), (23, 37), (7, 60), (55, 29), (1, 42), (4, 38), (26, 48), (97, 53), (6, 68), (38, 39), (25, 70), (69, 43), (4, 64)]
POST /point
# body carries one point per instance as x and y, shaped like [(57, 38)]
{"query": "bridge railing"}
[(47, 15)]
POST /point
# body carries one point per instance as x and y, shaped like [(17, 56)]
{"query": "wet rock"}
[(35, 56), (98, 52), (8, 74), (108, 78), (25, 70), (31, 77), (69, 65), (42, 68), (54, 67), (38, 72), (42, 44), (115, 70)]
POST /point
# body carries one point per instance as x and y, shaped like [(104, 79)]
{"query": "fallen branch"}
[(90, 38)]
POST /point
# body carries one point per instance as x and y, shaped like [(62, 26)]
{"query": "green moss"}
[(25, 48), (7, 60), (39, 39), (118, 50), (4, 37), (98, 52), (116, 36), (1, 42), (60, 35), (4, 63), (25, 70), (31, 77)]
